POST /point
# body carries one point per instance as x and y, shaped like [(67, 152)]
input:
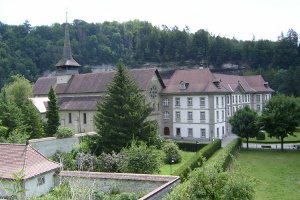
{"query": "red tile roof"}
[(79, 103), (204, 81), (92, 82), (250, 84), (15, 157), (200, 80)]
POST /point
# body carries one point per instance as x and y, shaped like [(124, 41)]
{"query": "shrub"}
[(109, 162), (192, 147), (67, 159), (171, 151), (64, 132), (86, 161), (196, 161), (261, 136), (140, 159)]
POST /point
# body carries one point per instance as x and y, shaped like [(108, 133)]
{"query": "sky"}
[(241, 19)]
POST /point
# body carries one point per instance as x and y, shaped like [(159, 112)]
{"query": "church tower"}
[(67, 65)]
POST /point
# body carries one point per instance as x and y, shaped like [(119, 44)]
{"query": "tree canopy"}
[(281, 117), (122, 114), (244, 123)]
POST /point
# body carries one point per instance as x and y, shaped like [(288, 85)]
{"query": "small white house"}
[(37, 173)]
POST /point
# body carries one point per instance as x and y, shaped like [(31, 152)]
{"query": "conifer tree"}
[(121, 116), (52, 114)]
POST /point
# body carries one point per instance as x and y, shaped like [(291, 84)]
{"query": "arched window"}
[(166, 131)]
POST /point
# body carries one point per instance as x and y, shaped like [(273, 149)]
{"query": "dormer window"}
[(183, 85), (266, 84), (217, 84)]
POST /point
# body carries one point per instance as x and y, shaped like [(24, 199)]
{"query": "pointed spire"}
[(67, 61)]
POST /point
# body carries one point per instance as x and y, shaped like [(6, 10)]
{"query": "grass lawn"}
[(277, 173), (185, 156), (290, 138)]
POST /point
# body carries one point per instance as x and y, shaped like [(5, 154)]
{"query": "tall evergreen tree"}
[(121, 116), (52, 114)]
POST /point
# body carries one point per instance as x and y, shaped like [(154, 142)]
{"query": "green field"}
[(277, 173), (290, 138), (185, 156)]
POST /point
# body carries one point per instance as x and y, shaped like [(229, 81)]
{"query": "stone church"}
[(78, 94)]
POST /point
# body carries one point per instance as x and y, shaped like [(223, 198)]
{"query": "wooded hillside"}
[(32, 50)]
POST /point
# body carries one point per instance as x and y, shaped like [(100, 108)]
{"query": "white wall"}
[(4, 184), (196, 130), (33, 189)]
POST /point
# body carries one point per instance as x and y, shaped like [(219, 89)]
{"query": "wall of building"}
[(50, 145), (33, 188), (75, 120), (4, 185)]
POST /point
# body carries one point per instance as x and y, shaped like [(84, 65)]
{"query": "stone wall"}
[(50, 145), (155, 186)]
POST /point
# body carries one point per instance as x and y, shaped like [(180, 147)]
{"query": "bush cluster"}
[(64, 132), (171, 151), (196, 161)]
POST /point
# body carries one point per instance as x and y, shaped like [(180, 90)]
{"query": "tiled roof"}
[(250, 84), (79, 103), (92, 82), (258, 83), (199, 80), (43, 84), (15, 157)]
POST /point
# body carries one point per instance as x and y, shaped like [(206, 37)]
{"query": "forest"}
[(31, 51)]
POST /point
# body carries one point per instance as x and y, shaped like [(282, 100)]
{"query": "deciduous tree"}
[(244, 123), (281, 117)]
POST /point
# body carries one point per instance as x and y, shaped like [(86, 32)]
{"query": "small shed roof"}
[(17, 157)]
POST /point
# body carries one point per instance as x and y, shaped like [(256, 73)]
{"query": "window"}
[(234, 109), (177, 116), (178, 132), (222, 102), (41, 180), (232, 99), (228, 111), (166, 115), (202, 116), (177, 101), (203, 132), (153, 92), (223, 115), (217, 115), (190, 116), (70, 118), (166, 102), (258, 108), (202, 101), (183, 85), (189, 101), (227, 99), (84, 118), (217, 101), (239, 98), (190, 132), (223, 131), (166, 131), (218, 134), (257, 98)]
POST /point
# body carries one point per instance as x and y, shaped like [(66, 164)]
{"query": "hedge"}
[(196, 161), (223, 157), (191, 147)]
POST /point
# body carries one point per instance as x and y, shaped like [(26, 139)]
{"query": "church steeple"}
[(67, 63)]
